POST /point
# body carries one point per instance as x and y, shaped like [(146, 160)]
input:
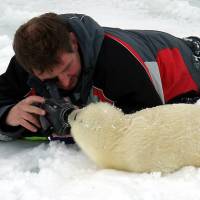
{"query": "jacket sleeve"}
[(13, 88)]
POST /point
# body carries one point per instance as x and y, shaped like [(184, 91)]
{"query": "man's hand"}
[(26, 114)]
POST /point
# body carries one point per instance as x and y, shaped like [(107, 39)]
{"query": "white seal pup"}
[(164, 138)]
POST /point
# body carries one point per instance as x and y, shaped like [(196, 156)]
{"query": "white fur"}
[(164, 138)]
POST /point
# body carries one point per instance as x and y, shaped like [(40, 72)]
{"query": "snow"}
[(33, 170)]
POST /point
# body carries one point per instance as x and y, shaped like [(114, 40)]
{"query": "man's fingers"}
[(34, 99), (28, 125), (31, 118), (23, 109), (33, 109)]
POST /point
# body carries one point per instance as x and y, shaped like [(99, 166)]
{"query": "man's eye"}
[(67, 68), (51, 80), (55, 79), (69, 65)]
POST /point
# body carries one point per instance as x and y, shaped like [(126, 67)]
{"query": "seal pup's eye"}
[(75, 116)]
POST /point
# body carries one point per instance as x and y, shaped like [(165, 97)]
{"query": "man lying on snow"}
[(132, 69)]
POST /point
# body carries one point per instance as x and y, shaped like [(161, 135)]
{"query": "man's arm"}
[(16, 111)]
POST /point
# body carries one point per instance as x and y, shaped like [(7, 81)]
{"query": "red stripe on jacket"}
[(100, 95), (31, 92), (175, 76)]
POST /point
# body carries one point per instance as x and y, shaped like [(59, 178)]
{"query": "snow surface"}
[(41, 171)]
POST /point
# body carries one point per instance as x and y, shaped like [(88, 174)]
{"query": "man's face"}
[(66, 73)]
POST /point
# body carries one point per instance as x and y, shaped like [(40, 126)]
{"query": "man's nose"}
[(63, 80)]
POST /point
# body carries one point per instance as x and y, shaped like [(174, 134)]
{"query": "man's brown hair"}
[(38, 42)]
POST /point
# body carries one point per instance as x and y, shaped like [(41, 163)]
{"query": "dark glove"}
[(56, 118)]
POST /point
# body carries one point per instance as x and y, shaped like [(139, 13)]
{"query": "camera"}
[(57, 108), (56, 118)]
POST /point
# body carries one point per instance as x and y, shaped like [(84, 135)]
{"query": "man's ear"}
[(74, 41)]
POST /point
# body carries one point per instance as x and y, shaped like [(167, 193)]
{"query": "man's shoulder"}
[(14, 79), (15, 68)]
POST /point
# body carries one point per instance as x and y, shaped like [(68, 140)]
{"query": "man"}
[(132, 69)]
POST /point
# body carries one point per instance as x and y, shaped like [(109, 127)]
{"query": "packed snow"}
[(42, 171)]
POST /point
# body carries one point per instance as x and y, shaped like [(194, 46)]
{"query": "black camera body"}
[(56, 118), (56, 107)]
